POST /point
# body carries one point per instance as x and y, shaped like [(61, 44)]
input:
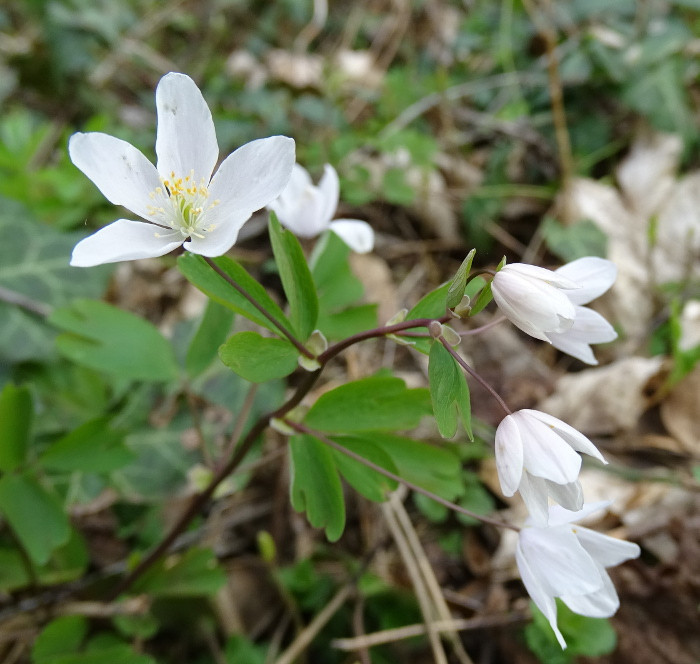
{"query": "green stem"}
[(297, 344), (397, 478)]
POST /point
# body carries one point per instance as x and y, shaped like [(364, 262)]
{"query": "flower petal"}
[(542, 274), (251, 177), (120, 171), (186, 139), (124, 240), (533, 491), (545, 453), (605, 550), (572, 436), (329, 188), (602, 603), (569, 496), (509, 455), (539, 595), (594, 275), (292, 205), (589, 328), (559, 516), (358, 235)]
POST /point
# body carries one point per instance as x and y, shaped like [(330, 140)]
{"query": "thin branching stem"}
[(301, 428)]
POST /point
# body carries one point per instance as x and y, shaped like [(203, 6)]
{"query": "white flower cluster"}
[(537, 454)]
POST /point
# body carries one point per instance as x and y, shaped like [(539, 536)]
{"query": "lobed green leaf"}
[(257, 358)]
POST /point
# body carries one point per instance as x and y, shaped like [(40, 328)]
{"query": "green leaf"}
[(35, 516), (449, 392), (315, 485), (376, 403), (259, 359), (370, 483), (349, 321), (92, 448), (475, 498), (336, 285), (16, 413), (194, 573), (211, 333), (103, 337), (456, 288), (485, 296), (62, 636), (431, 305), (436, 469), (198, 272), (34, 263), (571, 242), (296, 279)]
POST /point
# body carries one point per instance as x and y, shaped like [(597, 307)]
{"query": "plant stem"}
[(475, 375), (301, 428), (483, 328), (199, 500), (297, 344)]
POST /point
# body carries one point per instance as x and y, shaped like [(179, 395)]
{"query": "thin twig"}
[(24, 302)]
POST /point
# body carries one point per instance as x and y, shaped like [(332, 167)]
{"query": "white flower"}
[(180, 200), (595, 276), (533, 299), (568, 561), (307, 210), (537, 454)]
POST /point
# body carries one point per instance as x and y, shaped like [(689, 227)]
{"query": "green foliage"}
[(371, 404), (315, 485), (212, 331), (103, 337), (485, 296), (449, 392), (200, 274), (16, 412), (456, 288), (35, 516), (194, 573), (571, 242), (259, 359), (589, 637), (34, 264), (296, 278)]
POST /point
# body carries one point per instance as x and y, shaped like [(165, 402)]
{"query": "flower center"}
[(183, 205)]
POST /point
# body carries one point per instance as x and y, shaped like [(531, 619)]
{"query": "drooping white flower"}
[(537, 454), (308, 210), (568, 561), (594, 275), (534, 299), (179, 199)]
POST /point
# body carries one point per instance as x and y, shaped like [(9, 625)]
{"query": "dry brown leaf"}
[(680, 413), (299, 70), (604, 400)]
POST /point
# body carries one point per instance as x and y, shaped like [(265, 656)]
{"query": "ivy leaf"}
[(296, 279), (200, 274), (315, 485), (35, 516), (376, 403), (449, 392), (16, 413), (106, 338), (259, 359)]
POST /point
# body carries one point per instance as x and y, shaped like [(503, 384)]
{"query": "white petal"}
[(602, 603), (358, 235), (559, 516), (589, 328), (509, 455), (251, 177), (533, 491), (578, 349), (559, 561), (594, 275), (569, 496), (572, 436), (219, 240), (186, 139), (541, 274), (303, 215), (542, 600), (120, 171), (124, 240), (329, 188), (545, 453), (605, 550)]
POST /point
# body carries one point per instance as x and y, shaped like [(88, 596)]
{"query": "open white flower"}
[(534, 299), (594, 275), (568, 561), (180, 200), (307, 210), (537, 454)]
